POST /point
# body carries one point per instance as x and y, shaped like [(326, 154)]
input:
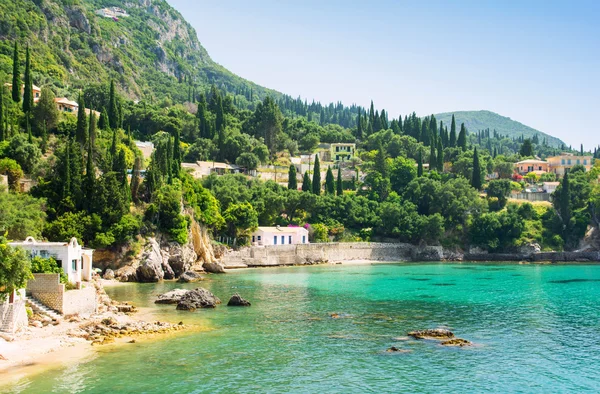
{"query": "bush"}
[(319, 232), (40, 265)]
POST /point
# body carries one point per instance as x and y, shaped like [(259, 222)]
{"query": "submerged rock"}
[(457, 342), (436, 333), (394, 349), (237, 300), (190, 276), (197, 298), (171, 297)]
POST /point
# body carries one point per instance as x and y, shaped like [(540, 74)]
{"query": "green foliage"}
[(15, 269), (21, 215), (40, 265), (292, 181), (500, 190), (12, 170), (316, 181), (241, 219), (329, 182), (26, 154), (319, 233)]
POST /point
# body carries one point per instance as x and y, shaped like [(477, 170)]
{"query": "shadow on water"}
[(566, 281)]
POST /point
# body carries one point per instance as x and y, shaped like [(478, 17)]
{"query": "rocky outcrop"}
[(180, 257), (197, 298), (457, 342), (109, 274), (237, 300), (78, 20), (530, 248), (436, 333), (168, 271), (427, 253), (151, 264), (171, 297), (127, 274), (190, 276)]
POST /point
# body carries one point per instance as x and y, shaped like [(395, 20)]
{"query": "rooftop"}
[(281, 229)]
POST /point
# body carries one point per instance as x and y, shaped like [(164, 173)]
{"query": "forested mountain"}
[(149, 53), (482, 120)]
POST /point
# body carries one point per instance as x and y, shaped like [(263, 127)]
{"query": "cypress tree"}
[(16, 79), (432, 158), (2, 137), (28, 88), (338, 184), (82, 130), (176, 154), (135, 179), (44, 138), (359, 130), (419, 164), (565, 201), (316, 181), (453, 132), (103, 121), (90, 177), (329, 182), (66, 192), (462, 137), (203, 123), (28, 126), (113, 150), (440, 157), (113, 110), (476, 177), (92, 129), (292, 181), (306, 183)]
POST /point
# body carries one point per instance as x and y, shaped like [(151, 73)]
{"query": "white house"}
[(263, 236), (75, 260), (550, 187)]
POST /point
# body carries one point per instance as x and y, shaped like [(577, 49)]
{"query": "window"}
[(562, 162), (577, 161), (304, 239), (282, 240), (44, 254), (253, 238), (290, 240), (569, 162), (275, 240), (337, 148), (540, 168), (337, 157), (259, 237), (73, 265), (585, 162)]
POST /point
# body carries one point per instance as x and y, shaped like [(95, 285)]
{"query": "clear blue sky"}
[(534, 61)]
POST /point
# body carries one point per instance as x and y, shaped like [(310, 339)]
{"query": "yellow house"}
[(65, 105), (342, 151), (561, 164), (36, 91)]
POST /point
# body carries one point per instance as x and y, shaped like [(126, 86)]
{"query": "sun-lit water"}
[(536, 329)]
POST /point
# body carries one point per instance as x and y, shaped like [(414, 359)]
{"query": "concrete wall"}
[(13, 316), (47, 289), (309, 253)]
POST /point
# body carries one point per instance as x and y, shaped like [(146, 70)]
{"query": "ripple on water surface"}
[(536, 329)]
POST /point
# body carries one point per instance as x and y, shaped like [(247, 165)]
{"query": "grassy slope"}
[(479, 120)]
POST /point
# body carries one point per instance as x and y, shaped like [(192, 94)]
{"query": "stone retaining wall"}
[(543, 256), (47, 289)]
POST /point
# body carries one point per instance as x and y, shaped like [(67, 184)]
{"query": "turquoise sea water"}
[(536, 329)]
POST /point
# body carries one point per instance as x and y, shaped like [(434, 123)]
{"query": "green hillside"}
[(150, 53), (481, 120)]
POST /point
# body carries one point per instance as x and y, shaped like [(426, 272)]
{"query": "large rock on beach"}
[(109, 274), (436, 333), (181, 257), (151, 264), (197, 298), (171, 297), (237, 300), (214, 267), (190, 276), (127, 274)]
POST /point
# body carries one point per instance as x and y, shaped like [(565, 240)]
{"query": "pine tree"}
[(316, 181), (420, 164), (113, 110), (453, 132), (82, 130), (306, 183), (16, 79), (28, 88), (461, 141), (440, 157), (526, 148), (292, 181), (432, 158), (339, 185), (476, 177), (329, 182)]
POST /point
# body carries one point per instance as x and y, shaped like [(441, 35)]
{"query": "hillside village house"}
[(342, 151), (563, 163), (526, 166), (75, 260), (278, 235), (36, 91)]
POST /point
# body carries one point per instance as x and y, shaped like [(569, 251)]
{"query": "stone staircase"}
[(42, 309), (6, 323)]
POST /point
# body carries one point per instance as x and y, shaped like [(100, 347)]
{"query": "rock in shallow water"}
[(190, 276), (198, 298), (171, 297), (457, 342), (436, 333), (237, 300)]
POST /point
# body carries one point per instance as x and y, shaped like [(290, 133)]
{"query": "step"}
[(41, 308)]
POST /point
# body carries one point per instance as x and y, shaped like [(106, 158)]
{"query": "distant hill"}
[(480, 120)]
